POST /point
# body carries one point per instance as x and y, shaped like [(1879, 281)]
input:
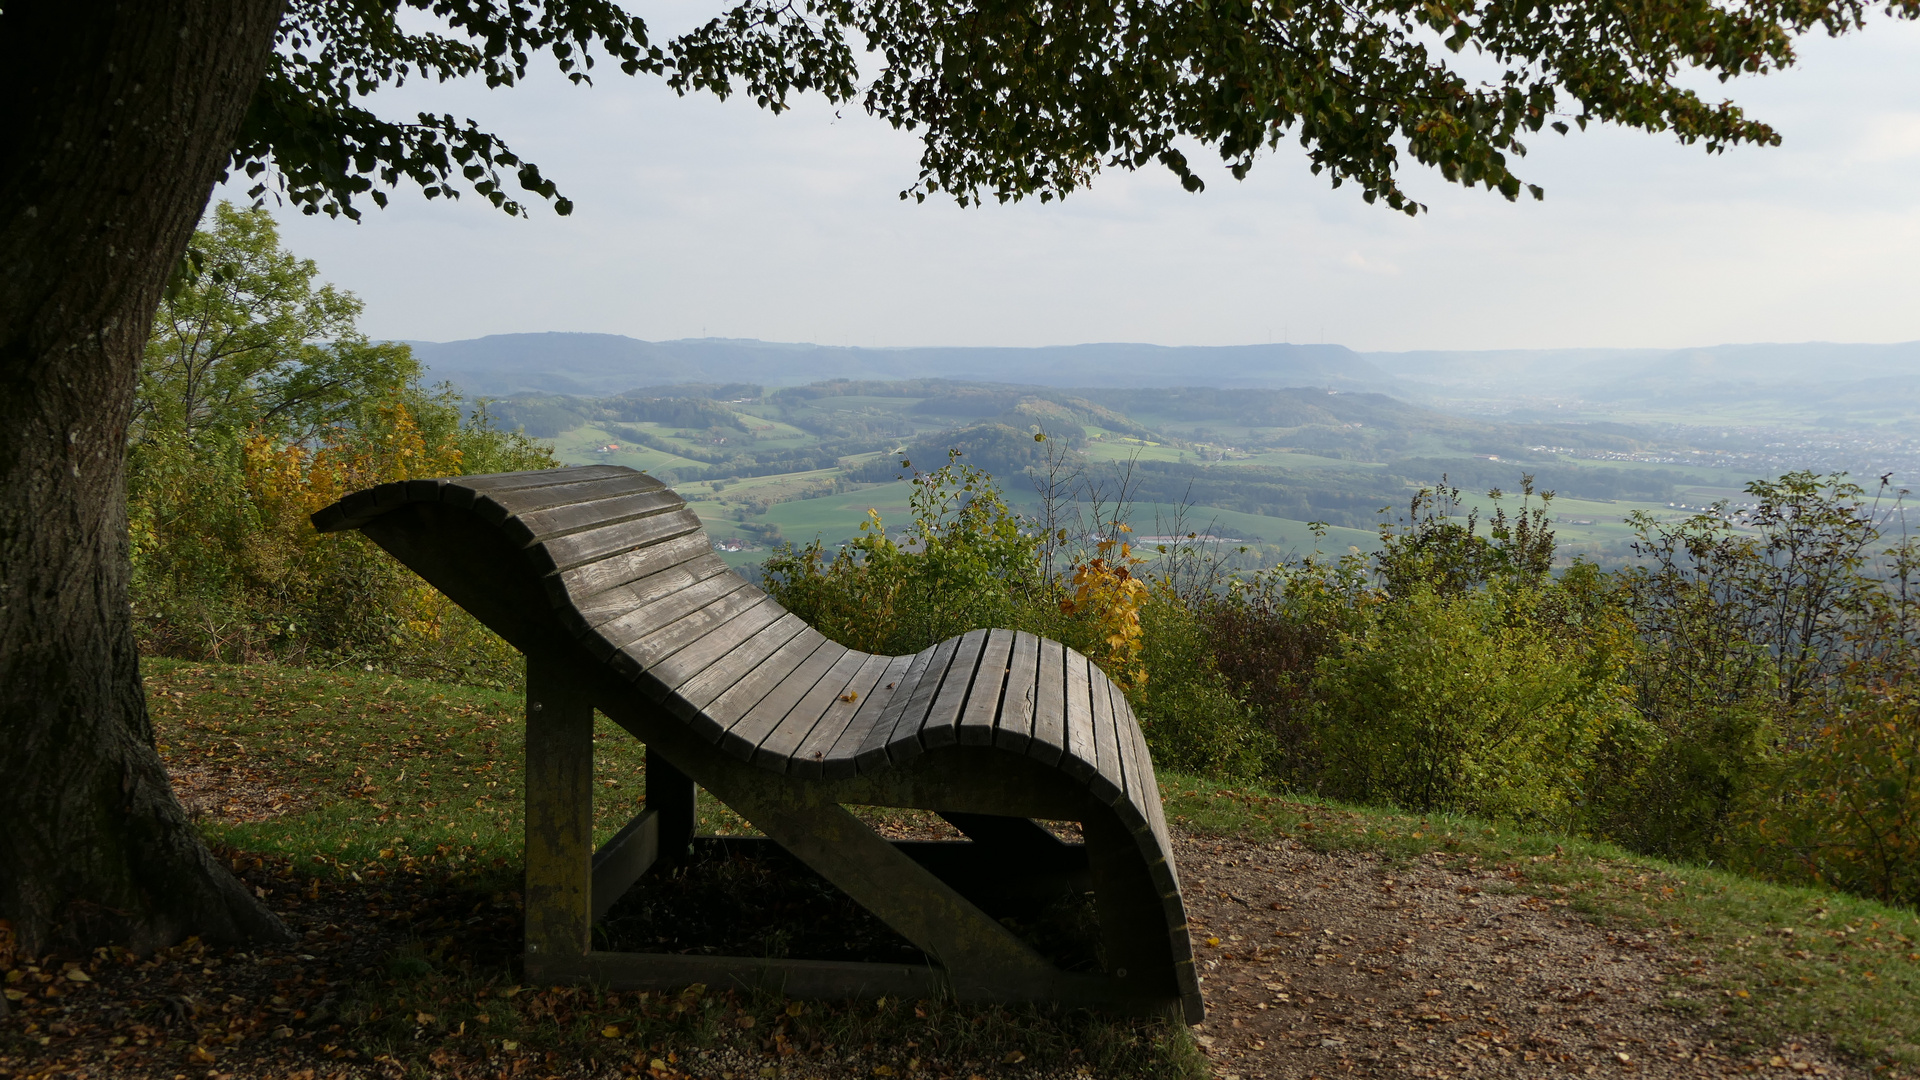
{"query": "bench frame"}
[(448, 532)]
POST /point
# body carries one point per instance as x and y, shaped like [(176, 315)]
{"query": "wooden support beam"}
[(831, 979), (1133, 928), (670, 795), (621, 860), (982, 958), (559, 852)]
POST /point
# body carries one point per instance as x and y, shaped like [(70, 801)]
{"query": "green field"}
[(1353, 454)]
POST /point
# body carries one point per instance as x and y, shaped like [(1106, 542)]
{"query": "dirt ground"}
[(1314, 966), (1335, 965)]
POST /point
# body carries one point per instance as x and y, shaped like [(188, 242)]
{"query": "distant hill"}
[(1809, 379), (1863, 382), (606, 363)]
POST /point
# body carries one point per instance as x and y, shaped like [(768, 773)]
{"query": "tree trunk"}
[(118, 118)]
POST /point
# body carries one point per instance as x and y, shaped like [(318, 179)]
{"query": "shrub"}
[(966, 561), (1756, 627), (227, 566), (1845, 812), (1467, 703), (1188, 710)]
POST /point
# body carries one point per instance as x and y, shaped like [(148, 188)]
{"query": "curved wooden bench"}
[(605, 580)]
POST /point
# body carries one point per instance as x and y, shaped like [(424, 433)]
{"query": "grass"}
[(389, 775), (1780, 960)]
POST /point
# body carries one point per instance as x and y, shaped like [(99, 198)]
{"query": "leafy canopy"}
[(1014, 98)]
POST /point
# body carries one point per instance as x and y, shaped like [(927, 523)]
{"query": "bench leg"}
[(670, 795), (1133, 928), (559, 852)]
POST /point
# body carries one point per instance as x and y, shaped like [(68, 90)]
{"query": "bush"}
[(1845, 812), (245, 426), (1756, 627), (965, 562), (227, 566), (1188, 710), (1468, 703)]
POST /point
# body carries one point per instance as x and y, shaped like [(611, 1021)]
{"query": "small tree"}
[(246, 339)]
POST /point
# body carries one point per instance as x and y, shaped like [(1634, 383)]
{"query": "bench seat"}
[(606, 580)]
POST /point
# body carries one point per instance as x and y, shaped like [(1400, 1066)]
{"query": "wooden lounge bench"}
[(605, 580)]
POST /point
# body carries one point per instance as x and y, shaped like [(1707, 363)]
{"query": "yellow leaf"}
[(76, 975), (611, 1031)]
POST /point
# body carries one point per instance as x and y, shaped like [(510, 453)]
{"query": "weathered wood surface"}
[(632, 589)]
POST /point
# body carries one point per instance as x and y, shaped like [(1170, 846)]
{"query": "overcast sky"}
[(698, 218)]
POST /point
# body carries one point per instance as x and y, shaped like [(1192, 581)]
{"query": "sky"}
[(698, 218)]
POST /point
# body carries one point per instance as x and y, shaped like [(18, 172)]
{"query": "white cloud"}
[(699, 217)]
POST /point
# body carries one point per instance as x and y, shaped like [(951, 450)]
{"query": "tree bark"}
[(118, 119)]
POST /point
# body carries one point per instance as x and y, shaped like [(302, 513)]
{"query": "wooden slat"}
[(519, 501), (1131, 747), (1013, 729), (852, 673), (639, 624), (983, 701), (1049, 735), (697, 564), (1078, 761), (941, 726), (872, 752), (466, 491), (728, 640), (841, 754), (538, 477), (566, 552), (639, 656), (576, 517), (647, 555), (903, 743), (740, 702), (1109, 782)]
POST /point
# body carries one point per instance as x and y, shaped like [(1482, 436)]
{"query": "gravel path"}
[(1330, 965)]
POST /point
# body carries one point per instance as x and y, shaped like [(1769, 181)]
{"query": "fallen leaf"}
[(611, 1031)]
